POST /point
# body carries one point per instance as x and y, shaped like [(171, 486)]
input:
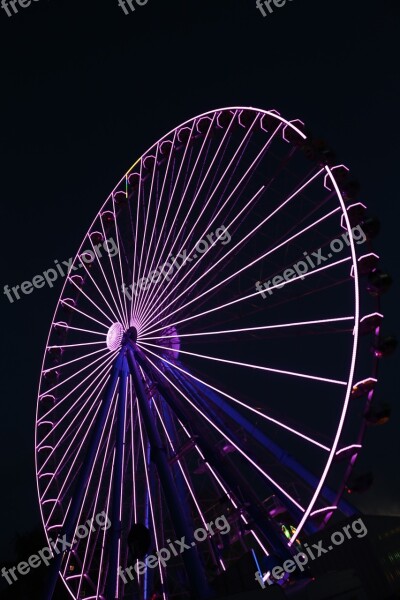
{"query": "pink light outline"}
[(71, 392), (173, 191), (149, 491), (104, 375), (224, 204), (251, 366), (190, 488), (99, 290), (159, 204), (309, 274), (206, 137), (351, 371), (251, 263), (355, 446), (147, 218), (245, 329), (81, 291), (151, 296), (266, 417), (125, 319), (200, 258), (325, 509), (66, 326), (224, 489), (270, 479)]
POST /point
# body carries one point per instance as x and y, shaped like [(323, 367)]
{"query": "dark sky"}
[(86, 89)]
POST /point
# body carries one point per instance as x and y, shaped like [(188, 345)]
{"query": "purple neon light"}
[(232, 302), (125, 319), (92, 470), (147, 214), (235, 110), (122, 488), (184, 193), (188, 183), (98, 289), (355, 446), (173, 191), (62, 346), (352, 366), (249, 365), (64, 301), (228, 198), (73, 361), (63, 324), (214, 191), (120, 267), (374, 314), (75, 374), (98, 333), (224, 489), (159, 301), (190, 488), (133, 452), (82, 424), (247, 329), (201, 186), (66, 479), (276, 115), (337, 167), (212, 194), (251, 461), (254, 410), (117, 307), (107, 360), (250, 264), (81, 291), (234, 248), (135, 461), (321, 510), (94, 512), (149, 492), (103, 545), (159, 204)]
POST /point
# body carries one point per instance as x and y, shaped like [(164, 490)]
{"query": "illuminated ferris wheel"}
[(207, 357)]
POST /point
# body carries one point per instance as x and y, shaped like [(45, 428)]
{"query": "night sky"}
[(86, 90)]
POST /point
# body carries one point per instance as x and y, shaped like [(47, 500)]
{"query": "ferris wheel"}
[(207, 358)]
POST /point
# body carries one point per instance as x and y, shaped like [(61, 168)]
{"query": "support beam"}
[(207, 409), (84, 474), (190, 557), (253, 508), (112, 586), (281, 455)]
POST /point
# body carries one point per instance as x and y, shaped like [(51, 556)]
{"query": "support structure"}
[(281, 455), (128, 364), (115, 517), (84, 474), (253, 507), (194, 567)]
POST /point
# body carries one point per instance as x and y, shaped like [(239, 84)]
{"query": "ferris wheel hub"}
[(114, 336)]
